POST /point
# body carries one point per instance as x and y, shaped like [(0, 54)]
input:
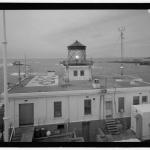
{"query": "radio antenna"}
[(121, 30)]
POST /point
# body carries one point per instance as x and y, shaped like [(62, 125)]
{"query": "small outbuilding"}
[(140, 121)]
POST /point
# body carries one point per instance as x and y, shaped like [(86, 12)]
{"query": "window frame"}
[(75, 73), (56, 113), (121, 107), (82, 73), (87, 107), (135, 99), (146, 99)]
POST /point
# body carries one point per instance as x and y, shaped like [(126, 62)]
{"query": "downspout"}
[(115, 99)]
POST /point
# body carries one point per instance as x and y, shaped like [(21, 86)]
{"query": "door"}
[(85, 131), (139, 126), (109, 111), (26, 114)]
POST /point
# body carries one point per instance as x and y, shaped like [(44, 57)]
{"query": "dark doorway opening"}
[(86, 131), (26, 114)]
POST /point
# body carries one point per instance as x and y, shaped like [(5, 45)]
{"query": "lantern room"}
[(76, 52), (77, 65)]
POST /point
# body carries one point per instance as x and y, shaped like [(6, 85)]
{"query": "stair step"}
[(14, 138), (111, 121), (107, 124), (17, 135), (111, 125), (115, 133), (112, 128)]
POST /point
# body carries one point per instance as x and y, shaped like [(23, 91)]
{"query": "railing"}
[(12, 133), (77, 62)]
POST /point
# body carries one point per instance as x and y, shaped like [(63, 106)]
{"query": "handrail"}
[(12, 133)]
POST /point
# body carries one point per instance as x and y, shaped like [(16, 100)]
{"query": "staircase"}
[(111, 126), (23, 134), (16, 137)]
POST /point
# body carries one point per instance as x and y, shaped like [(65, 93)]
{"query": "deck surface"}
[(114, 80), (27, 134)]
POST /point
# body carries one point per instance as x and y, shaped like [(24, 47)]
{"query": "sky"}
[(47, 33)]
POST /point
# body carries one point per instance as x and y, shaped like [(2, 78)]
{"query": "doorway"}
[(86, 130), (109, 109), (26, 114), (139, 126)]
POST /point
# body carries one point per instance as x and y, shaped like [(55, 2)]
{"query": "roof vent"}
[(135, 81), (138, 80), (118, 80), (96, 84)]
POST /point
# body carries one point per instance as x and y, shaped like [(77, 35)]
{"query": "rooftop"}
[(42, 84), (76, 44)]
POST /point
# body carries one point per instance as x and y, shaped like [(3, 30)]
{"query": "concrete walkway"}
[(26, 133)]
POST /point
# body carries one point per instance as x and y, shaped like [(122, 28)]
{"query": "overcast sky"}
[(47, 33)]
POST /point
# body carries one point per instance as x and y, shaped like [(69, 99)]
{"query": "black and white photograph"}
[(75, 75)]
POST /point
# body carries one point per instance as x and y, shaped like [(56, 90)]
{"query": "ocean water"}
[(100, 68)]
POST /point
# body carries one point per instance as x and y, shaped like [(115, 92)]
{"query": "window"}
[(57, 109), (87, 106), (60, 126), (136, 100), (82, 73), (75, 73), (144, 99), (121, 104)]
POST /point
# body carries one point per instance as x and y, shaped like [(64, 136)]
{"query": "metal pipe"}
[(122, 29), (6, 103), (25, 72)]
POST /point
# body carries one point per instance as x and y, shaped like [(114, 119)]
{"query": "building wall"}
[(87, 73), (146, 126), (128, 102), (73, 107), (145, 122)]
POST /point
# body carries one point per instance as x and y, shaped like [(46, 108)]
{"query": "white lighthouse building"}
[(77, 65)]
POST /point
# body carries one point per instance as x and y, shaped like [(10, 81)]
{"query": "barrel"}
[(42, 132), (36, 133)]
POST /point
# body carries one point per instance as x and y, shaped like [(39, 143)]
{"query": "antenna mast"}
[(121, 30), (6, 103), (25, 71)]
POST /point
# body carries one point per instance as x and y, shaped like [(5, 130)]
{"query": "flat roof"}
[(111, 81)]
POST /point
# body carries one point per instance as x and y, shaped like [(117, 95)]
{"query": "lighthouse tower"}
[(77, 66)]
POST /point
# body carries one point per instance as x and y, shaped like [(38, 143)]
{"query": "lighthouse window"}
[(57, 109), (121, 104), (75, 73), (82, 73), (136, 100), (87, 106)]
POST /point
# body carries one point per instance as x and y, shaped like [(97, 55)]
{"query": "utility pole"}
[(6, 103), (121, 30), (25, 71)]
